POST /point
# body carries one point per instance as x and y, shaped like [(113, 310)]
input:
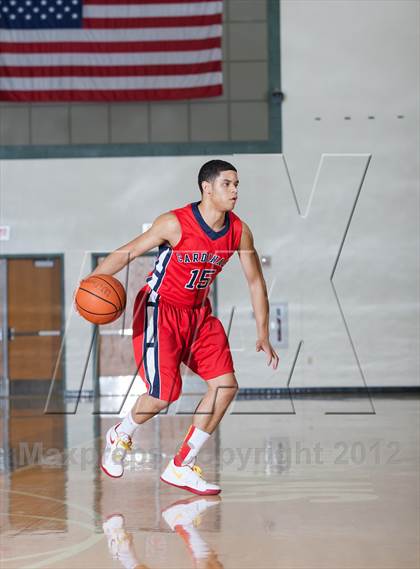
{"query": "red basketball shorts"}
[(164, 335)]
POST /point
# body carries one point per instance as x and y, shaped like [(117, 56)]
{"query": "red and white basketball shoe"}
[(117, 445), (188, 512), (188, 478), (120, 542)]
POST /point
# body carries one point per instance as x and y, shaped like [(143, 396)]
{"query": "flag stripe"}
[(115, 47), (176, 22), (51, 60), (114, 95), (111, 71), (88, 83), (142, 2), (137, 10), (157, 34)]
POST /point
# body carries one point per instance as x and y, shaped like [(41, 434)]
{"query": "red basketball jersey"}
[(183, 274)]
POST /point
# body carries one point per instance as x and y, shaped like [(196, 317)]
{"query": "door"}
[(32, 323)]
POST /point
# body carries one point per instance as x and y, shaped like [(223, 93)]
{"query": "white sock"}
[(128, 425), (191, 446)]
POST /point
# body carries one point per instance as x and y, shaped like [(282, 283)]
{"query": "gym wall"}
[(328, 51)]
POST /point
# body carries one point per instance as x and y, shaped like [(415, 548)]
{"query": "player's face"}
[(225, 190)]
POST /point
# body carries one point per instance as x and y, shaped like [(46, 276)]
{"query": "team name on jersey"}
[(201, 258)]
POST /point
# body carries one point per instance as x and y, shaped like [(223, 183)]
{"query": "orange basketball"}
[(100, 299)]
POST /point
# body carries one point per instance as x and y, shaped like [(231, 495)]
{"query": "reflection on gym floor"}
[(298, 490), (183, 517)]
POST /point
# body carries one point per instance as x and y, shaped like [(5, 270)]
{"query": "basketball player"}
[(173, 320)]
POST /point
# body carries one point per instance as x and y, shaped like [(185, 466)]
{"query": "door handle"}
[(12, 334), (49, 332)]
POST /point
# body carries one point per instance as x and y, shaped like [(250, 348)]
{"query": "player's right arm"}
[(165, 229)]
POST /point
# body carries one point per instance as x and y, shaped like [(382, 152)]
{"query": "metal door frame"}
[(5, 379)]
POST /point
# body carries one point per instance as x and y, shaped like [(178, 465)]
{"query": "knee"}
[(225, 390), (159, 404)]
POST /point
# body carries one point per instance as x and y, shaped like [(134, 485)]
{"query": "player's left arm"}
[(251, 267)]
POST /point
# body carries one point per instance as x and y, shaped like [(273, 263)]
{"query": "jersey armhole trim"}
[(239, 234), (182, 233)]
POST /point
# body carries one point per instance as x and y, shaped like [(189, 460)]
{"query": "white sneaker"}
[(184, 517), (187, 512), (120, 542), (188, 478), (116, 448)]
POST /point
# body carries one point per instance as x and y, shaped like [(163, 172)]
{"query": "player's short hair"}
[(210, 170)]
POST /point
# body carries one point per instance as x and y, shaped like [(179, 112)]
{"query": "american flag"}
[(110, 50)]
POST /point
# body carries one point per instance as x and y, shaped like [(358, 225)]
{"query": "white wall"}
[(361, 59), (338, 59)]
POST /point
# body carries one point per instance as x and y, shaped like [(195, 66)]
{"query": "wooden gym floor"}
[(301, 489)]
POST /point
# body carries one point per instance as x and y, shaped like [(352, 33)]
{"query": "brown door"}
[(34, 314)]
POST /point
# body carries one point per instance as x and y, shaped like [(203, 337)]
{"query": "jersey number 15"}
[(198, 280)]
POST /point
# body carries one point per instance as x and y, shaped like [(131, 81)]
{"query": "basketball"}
[(100, 299)]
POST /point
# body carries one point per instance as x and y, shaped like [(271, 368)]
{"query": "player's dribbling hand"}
[(272, 357), (74, 296)]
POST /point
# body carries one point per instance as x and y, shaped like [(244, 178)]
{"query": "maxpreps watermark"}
[(272, 457)]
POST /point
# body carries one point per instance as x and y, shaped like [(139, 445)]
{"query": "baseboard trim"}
[(263, 392)]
